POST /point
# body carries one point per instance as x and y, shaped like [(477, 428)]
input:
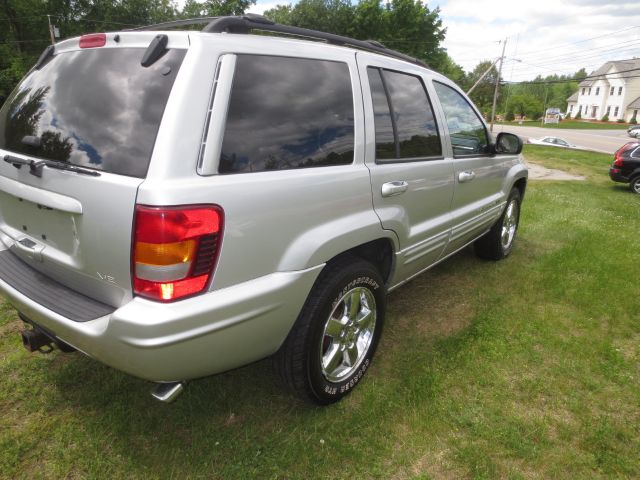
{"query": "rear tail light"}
[(93, 40), (618, 162), (175, 250)]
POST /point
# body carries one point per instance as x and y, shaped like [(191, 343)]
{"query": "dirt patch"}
[(538, 172)]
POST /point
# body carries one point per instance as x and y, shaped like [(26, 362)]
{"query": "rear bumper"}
[(616, 175), (192, 338)]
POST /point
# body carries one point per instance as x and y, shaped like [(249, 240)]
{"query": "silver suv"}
[(180, 203)]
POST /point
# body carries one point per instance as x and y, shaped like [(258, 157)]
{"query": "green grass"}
[(526, 368), (570, 124)]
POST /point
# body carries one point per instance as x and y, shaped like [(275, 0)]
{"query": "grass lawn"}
[(569, 124), (526, 368)]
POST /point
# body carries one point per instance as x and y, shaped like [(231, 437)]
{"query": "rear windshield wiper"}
[(36, 166), (71, 168)]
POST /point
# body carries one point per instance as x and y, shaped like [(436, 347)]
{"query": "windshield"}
[(95, 108)]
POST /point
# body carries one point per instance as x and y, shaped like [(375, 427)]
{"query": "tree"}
[(407, 26), (482, 95)]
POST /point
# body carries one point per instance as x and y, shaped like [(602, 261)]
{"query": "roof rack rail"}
[(175, 23), (250, 21)]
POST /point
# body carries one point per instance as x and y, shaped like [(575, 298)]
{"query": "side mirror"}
[(507, 143)]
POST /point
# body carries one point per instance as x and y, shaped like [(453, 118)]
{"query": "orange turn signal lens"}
[(165, 253)]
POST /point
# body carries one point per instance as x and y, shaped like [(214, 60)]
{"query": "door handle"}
[(390, 189), (466, 176)]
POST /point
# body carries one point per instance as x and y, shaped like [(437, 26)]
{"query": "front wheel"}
[(330, 346), (498, 242)]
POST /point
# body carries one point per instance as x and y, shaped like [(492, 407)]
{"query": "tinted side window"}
[(385, 135), (405, 125), (288, 113), (415, 125), (468, 135)]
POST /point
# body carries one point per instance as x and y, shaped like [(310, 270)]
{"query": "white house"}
[(611, 90)]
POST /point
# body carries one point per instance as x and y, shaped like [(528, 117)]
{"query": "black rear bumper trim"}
[(49, 293)]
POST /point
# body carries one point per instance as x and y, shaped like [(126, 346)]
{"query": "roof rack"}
[(250, 21)]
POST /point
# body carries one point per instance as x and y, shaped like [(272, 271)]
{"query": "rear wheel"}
[(635, 184), (498, 242), (330, 347)]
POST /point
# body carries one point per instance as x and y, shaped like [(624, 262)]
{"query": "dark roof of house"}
[(573, 98), (619, 65)]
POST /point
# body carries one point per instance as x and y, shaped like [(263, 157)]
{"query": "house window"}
[(597, 90), (571, 108), (619, 90), (608, 110), (612, 90), (594, 112), (615, 112), (589, 90), (583, 91)]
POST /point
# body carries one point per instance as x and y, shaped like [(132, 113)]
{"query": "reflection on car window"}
[(288, 113), (95, 108), (385, 139), (468, 135), (416, 133)]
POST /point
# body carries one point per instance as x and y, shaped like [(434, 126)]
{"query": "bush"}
[(510, 117), (605, 118), (633, 120), (621, 120), (578, 116)]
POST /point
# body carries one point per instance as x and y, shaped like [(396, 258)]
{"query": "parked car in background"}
[(626, 166), (551, 142), (634, 131)]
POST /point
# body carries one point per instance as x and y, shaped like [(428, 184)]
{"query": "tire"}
[(634, 184), (330, 347), (498, 242)]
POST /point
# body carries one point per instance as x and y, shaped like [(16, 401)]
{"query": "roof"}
[(635, 103), (619, 65), (573, 98)]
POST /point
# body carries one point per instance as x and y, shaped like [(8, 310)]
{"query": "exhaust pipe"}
[(168, 392), (35, 340)]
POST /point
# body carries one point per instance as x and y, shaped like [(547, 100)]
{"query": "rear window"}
[(95, 108)]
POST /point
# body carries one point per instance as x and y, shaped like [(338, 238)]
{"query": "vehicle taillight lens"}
[(93, 40), (175, 250), (618, 162)]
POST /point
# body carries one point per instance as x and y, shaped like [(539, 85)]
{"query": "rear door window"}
[(286, 113), (405, 125), (95, 108)]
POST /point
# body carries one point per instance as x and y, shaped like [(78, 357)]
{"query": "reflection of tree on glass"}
[(25, 114)]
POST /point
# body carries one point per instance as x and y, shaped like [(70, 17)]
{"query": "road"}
[(605, 141)]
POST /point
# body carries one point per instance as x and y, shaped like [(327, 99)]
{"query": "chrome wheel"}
[(635, 185), (348, 334), (509, 224)]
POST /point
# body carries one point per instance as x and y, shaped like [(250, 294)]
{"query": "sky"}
[(543, 36)]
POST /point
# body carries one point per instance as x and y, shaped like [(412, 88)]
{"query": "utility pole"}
[(495, 92), (53, 38), (482, 76)]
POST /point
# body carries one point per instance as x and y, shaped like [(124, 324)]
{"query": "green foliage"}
[(407, 26), (510, 117), (633, 120), (578, 115), (605, 118), (525, 104), (24, 30), (482, 95)]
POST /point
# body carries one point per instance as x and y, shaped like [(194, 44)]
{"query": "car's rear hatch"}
[(99, 110)]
